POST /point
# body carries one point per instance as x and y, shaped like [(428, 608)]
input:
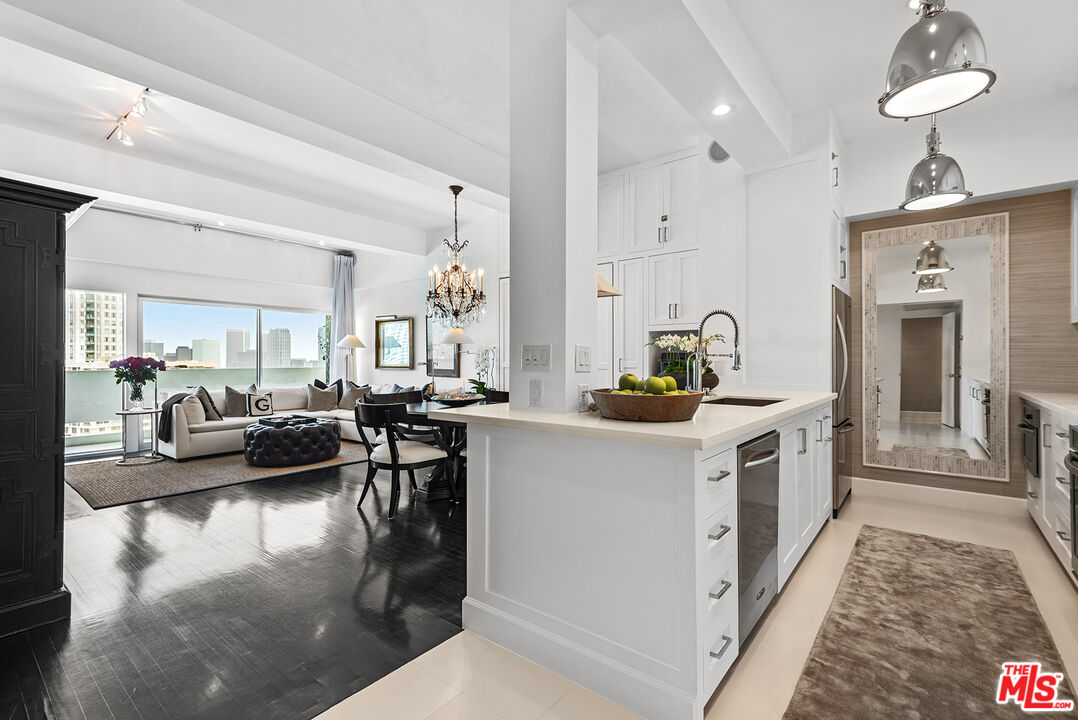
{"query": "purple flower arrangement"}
[(136, 372)]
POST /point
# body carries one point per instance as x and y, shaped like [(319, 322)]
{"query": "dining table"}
[(435, 485)]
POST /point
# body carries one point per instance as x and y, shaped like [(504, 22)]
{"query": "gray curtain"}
[(344, 312)]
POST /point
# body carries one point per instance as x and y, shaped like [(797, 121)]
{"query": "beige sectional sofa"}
[(223, 436)]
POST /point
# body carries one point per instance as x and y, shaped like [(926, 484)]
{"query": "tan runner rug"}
[(918, 630)]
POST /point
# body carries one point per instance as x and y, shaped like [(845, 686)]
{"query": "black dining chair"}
[(419, 433), (396, 454)]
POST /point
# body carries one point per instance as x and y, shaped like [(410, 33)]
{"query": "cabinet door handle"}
[(726, 641), (1061, 434), (719, 476), (1063, 536), (803, 433), (819, 431), (659, 234), (677, 310), (1061, 480), (666, 237), (1032, 495), (670, 311), (723, 529), (726, 585), (1046, 433), (842, 273)]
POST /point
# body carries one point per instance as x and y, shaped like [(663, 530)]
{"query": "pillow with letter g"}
[(259, 405)]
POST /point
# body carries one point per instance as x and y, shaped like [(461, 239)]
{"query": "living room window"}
[(215, 345), (93, 336)]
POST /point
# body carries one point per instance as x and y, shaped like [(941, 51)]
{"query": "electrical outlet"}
[(584, 393), (535, 393), (583, 358)]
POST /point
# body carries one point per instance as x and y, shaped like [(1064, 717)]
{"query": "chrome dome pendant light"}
[(938, 63), (932, 260), (930, 284), (936, 181)]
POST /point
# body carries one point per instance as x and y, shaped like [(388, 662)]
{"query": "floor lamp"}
[(349, 343)]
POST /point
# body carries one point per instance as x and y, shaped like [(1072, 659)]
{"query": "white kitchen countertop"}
[(712, 425), (1060, 402)]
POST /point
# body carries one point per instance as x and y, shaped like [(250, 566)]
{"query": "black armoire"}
[(32, 225)]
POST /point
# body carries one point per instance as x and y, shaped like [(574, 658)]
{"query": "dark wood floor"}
[(273, 599)]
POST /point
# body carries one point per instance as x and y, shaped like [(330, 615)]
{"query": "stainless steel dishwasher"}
[(757, 529)]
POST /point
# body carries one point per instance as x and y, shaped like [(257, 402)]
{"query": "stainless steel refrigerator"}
[(840, 383)]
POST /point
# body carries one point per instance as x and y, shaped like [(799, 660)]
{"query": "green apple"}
[(654, 386), (627, 382), (640, 385), (671, 383)]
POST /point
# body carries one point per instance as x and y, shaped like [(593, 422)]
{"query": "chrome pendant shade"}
[(930, 284), (932, 260), (936, 181), (939, 62)]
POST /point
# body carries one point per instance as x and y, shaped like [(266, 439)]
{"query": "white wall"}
[(119, 253), (398, 286), (1000, 149)]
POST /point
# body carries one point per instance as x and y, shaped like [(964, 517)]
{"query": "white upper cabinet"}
[(612, 240), (673, 289), (630, 326), (663, 205), (840, 252)]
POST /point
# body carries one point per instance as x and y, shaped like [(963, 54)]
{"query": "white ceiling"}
[(834, 54)]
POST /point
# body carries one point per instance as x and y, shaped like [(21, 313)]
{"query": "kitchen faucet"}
[(697, 371)]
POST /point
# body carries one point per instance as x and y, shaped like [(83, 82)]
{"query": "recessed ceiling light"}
[(721, 109)]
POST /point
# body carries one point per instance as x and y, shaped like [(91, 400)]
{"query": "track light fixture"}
[(137, 109)]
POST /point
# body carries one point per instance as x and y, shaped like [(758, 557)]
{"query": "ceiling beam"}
[(179, 50), (697, 51)]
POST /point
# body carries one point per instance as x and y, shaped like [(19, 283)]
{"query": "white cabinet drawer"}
[(716, 479), (717, 535), (720, 650), (1061, 529), (717, 593)]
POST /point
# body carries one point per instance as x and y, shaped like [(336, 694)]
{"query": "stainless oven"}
[(1030, 430)]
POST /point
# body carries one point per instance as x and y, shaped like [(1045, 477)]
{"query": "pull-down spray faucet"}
[(700, 359)]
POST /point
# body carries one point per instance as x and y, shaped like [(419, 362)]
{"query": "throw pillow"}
[(337, 385), (207, 402), (236, 401), (193, 410), (319, 399), (398, 389), (259, 405), (353, 395)]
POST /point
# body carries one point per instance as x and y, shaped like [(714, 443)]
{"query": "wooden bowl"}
[(646, 408), (458, 401)]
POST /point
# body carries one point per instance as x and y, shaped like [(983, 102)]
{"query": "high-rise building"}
[(237, 341), (183, 353), (95, 328), (277, 348), (207, 351), (155, 348)]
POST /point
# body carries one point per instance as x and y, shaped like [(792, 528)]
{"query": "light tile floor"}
[(468, 678)]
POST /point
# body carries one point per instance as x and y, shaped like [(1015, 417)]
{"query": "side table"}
[(131, 458)]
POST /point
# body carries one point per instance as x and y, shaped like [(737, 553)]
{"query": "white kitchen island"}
[(607, 550)]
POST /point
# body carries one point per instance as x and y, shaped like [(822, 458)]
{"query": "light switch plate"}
[(583, 358), (535, 358)]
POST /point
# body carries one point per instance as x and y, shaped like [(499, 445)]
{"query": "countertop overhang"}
[(1061, 402), (713, 424)]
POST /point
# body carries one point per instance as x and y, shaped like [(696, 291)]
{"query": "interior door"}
[(603, 356), (630, 322), (948, 371)]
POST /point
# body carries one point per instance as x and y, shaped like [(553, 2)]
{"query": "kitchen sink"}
[(746, 401)]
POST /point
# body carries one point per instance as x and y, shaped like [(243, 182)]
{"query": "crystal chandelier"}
[(455, 296)]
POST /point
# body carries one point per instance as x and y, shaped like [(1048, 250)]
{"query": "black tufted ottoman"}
[(298, 444)]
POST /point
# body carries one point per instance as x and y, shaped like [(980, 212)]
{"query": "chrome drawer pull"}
[(1061, 480), (723, 529), (1032, 495), (1063, 536), (721, 476), (726, 585), (726, 640), (1061, 434)]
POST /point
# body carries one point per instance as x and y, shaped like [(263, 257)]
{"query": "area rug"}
[(918, 629), (105, 484)]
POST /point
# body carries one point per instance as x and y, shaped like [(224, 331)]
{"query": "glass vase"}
[(134, 391)]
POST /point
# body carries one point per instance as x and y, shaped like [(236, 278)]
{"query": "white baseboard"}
[(939, 497)]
